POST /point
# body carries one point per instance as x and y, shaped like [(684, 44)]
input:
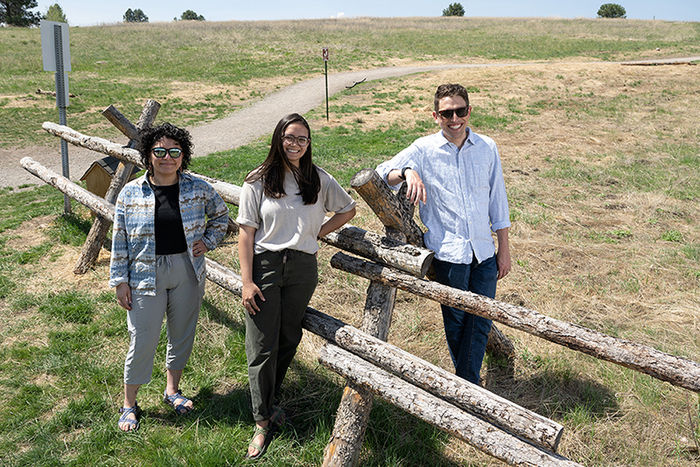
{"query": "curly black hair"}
[(151, 135)]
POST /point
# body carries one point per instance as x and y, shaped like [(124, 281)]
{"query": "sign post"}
[(325, 61), (55, 48)]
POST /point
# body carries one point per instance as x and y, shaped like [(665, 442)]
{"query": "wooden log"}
[(390, 211), (228, 192), (224, 277), (498, 345), (501, 412), (52, 93), (78, 193), (478, 433), (94, 143), (397, 212), (403, 256), (93, 244), (122, 123), (678, 371), (101, 226)]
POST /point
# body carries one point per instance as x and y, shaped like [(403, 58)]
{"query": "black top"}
[(170, 236)]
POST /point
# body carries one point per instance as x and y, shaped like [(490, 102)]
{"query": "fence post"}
[(100, 227)]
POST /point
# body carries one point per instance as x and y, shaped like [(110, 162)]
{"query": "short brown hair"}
[(450, 90)]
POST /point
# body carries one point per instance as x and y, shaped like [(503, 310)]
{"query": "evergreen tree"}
[(611, 10), (455, 9), (135, 16), (55, 13), (15, 13)]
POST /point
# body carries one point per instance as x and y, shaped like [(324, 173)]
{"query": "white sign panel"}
[(48, 45)]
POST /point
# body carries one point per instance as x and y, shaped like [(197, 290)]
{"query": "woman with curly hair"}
[(282, 208), (164, 223)]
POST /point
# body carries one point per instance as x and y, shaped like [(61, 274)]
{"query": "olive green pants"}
[(287, 280)]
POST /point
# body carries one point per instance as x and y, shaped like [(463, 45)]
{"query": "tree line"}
[(607, 10), (17, 13)]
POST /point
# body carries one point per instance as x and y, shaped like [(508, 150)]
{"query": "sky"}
[(92, 13)]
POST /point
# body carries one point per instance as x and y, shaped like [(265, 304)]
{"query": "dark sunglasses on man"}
[(447, 114)]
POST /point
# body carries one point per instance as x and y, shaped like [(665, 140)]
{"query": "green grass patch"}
[(20, 205)]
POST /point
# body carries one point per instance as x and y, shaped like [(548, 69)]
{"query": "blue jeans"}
[(466, 333)]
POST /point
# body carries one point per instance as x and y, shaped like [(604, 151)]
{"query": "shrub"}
[(55, 13), (16, 13)]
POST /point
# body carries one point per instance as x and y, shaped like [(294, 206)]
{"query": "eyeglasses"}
[(300, 140), (161, 152), (447, 114)]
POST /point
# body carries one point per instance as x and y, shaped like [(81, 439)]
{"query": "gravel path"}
[(239, 128)]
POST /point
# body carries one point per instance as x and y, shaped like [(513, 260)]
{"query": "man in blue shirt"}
[(456, 176)]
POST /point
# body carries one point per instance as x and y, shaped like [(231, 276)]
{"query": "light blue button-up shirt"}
[(465, 192)]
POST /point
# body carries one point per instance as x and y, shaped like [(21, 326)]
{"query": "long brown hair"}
[(272, 170)]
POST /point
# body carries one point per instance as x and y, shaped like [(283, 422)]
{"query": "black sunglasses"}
[(161, 152), (461, 112)]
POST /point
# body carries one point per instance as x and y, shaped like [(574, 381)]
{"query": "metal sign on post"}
[(55, 49), (325, 61)]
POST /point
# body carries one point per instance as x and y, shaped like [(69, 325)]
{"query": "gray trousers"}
[(287, 279), (178, 299)]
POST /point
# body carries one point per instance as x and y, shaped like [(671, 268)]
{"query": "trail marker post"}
[(325, 62), (55, 49)]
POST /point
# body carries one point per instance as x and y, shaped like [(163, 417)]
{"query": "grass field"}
[(601, 163), (201, 71)]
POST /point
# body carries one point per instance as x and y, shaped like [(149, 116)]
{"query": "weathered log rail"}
[(678, 371), (364, 357), (465, 426), (100, 228), (404, 257)]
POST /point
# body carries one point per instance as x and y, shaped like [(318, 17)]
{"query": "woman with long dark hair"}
[(281, 215)]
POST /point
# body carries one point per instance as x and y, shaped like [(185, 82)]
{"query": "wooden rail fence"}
[(372, 366)]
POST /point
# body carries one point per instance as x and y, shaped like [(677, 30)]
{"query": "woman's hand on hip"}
[(124, 296), (199, 248)]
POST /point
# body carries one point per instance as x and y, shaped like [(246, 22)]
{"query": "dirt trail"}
[(239, 128)]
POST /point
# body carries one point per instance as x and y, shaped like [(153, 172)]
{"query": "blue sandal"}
[(132, 424), (177, 401)]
